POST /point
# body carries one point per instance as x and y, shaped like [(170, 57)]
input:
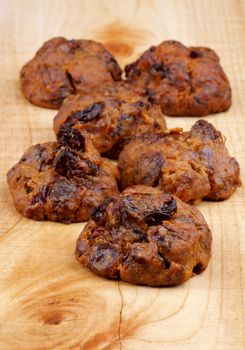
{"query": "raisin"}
[(150, 96), (141, 236), (141, 104), (205, 130), (114, 152), (150, 209), (104, 257), (71, 137), (93, 168), (38, 151), (198, 100), (160, 69), (87, 114), (195, 54), (132, 69), (125, 122), (99, 213), (198, 268), (166, 263), (28, 189), (150, 167), (64, 161), (165, 212), (41, 197), (72, 84), (111, 216), (73, 46), (62, 191), (114, 68)]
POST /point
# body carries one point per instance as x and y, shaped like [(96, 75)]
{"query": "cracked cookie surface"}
[(144, 236), (191, 165), (185, 80), (110, 116), (62, 67), (55, 182)]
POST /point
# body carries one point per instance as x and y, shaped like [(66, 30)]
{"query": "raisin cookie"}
[(57, 182), (191, 165), (144, 236), (110, 117), (62, 67), (185, 80)]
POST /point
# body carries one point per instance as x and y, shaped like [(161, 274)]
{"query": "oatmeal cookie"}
[(63, 67), (191, 165), (185, 80), (110, 117), (57, 182), (144, 236)]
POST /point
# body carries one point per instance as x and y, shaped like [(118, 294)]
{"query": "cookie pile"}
[(151, 233)]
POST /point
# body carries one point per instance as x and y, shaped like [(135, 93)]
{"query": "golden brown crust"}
[(145, 237), (191, 165), (57, 183), (62, 67), (110, 117), (185, 81)]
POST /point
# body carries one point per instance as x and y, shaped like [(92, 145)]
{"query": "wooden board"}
[(48, 301)]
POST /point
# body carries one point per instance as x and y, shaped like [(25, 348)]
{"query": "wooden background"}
[(47, 300)]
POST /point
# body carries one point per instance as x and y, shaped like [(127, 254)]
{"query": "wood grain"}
[(48, 301)]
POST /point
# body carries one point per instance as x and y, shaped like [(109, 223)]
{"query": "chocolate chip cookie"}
[(185, 80), (62, 67), (144, 236), (110, 117), (55, 181), (191, 165)]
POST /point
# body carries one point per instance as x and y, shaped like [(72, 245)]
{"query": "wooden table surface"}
[(47, 300)]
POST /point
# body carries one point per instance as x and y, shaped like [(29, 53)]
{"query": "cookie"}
[(54, 181), (144, 236), (191, 165), (185, 80), (110, 117), (63, 67)]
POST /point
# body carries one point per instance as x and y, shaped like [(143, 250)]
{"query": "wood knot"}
[(119, 48), (52, 318), (120, 39)]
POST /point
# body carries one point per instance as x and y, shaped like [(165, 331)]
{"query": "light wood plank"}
[(48, 301)]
